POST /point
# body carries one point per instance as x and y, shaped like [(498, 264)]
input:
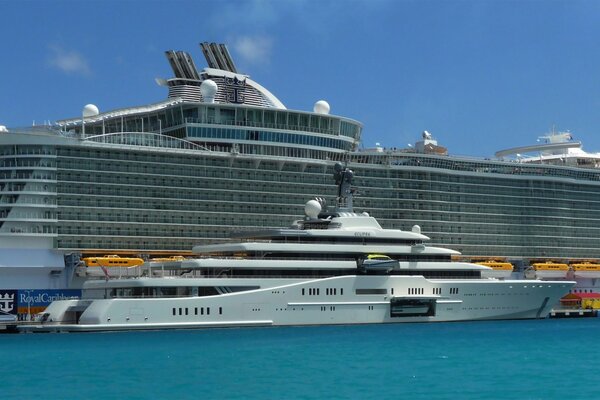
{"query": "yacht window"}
[(371, 291)]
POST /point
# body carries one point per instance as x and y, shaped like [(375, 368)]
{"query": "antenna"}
[(343, 178)]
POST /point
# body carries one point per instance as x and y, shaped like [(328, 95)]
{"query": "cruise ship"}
[(332, 267), (222, 152)]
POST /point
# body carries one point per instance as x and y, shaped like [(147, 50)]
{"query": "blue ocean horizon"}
[(535, 359)]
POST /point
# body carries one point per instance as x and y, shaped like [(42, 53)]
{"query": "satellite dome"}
[(321, 107), (312, 209), (90, 110), (208, 89)]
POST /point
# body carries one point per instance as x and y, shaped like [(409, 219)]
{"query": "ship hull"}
[(340, 300)]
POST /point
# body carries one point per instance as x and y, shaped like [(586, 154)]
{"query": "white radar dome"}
[(90, 110), (312, 209), (321, 107), (208, 89)]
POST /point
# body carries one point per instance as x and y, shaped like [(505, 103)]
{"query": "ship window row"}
[(269, 118), (119, 228), (176, 157), (464, 192), (25, 200), (27, 175), (128, 185), (163, 231), (506, 168), (328, 291), (368, 291), (483, 226), (258, 171), (17, 214), (294, 152), (426, 201), (456, 192), (541, 206), (445, 212), (491, 214), (515, 239), (26, 150), (211, 214), (28, 163), (81, 156), (524, 236), (544, 252), (153, 206), (506, 197), (214, 114), (271, 193), (478, 184), (454, 182), (137, 244), (175, 291), (266, 150), (197, 310), (197, 217), (145, 244), (29, 229), (194, 133), (132, 210), (29, 187), (454, 220)]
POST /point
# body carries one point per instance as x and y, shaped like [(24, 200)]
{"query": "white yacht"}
[(332, 267)]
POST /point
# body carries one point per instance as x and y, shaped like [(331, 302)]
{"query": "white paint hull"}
[(541, 274), (586, 274), (500, 274), (286, 304)]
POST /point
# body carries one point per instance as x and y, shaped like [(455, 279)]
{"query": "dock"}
[(13, 326), (573, 313)]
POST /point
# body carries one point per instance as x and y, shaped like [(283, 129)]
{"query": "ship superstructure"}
[(332, 267), (222, 152)]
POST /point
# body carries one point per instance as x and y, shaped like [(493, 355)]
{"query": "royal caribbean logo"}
[(8, 301), (235, 90)]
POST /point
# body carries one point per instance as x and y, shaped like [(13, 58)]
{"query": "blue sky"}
[(479, 75)]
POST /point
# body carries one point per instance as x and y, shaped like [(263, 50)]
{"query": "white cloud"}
[(68, 61), (254, 49)]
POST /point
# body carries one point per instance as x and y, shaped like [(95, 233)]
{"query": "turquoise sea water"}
[(542, 359)]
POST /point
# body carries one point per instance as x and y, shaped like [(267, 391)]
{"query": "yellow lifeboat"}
[(168, 259), (550, 269), (586, 270), (112, 261), (499, 269), (378, 257)]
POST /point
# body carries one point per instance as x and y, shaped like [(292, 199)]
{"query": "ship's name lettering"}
[(41, 298), (362, 234)]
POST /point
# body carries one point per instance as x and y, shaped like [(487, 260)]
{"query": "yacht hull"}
[(330, 301)]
